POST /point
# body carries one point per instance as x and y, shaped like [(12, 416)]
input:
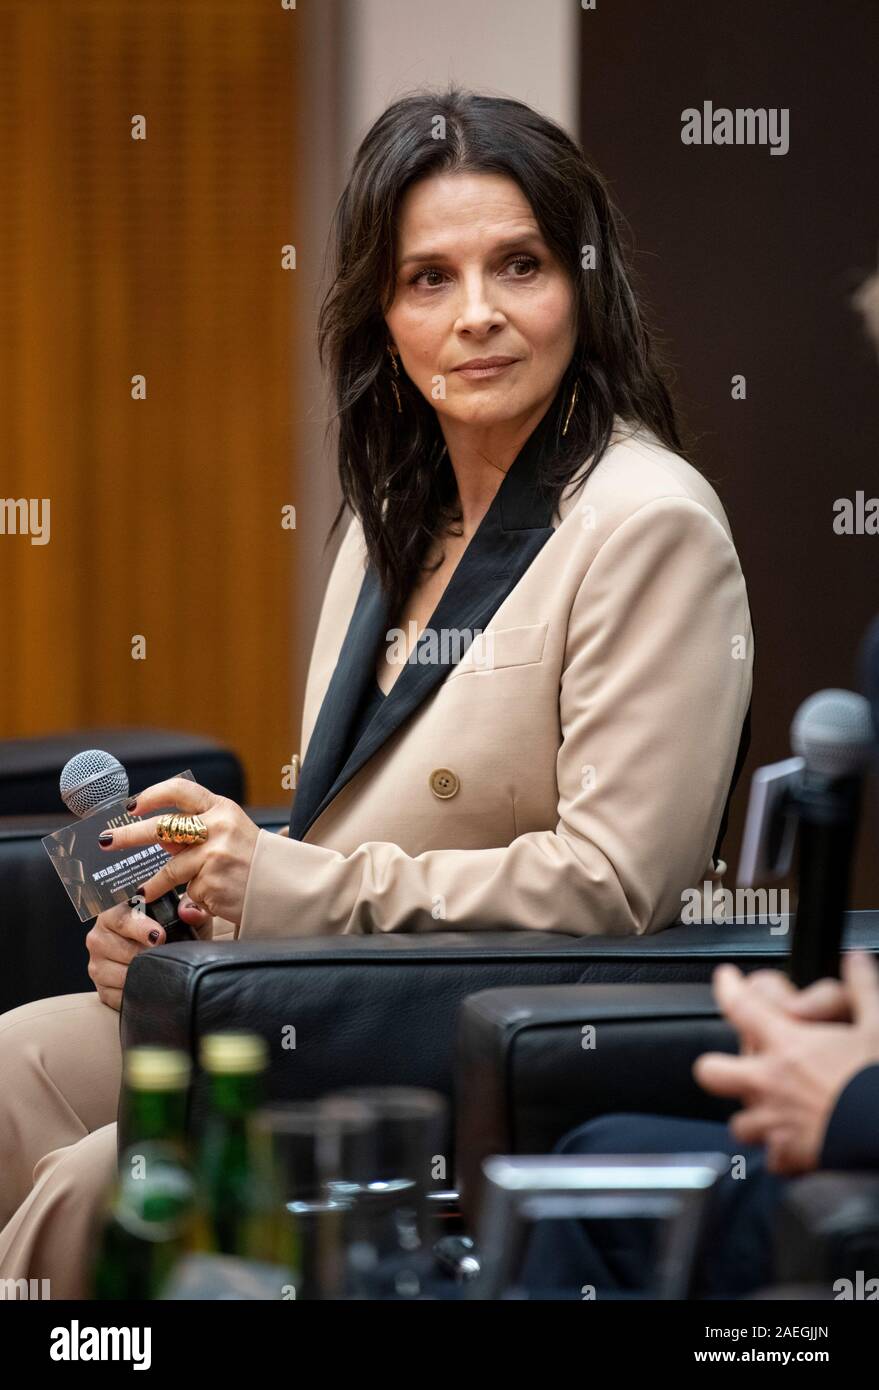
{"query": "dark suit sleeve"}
[(852, 1137)]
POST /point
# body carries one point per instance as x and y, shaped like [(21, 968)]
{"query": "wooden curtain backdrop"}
[(160, 257)]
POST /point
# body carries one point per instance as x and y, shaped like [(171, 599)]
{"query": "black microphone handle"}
[(828, 823), (164, 911)]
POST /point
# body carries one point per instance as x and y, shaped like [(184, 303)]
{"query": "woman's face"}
[(475, 279)]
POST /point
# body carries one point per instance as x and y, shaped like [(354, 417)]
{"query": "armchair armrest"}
[(533, 1064), (526, 1078), (337, 1011), (382, 1008)]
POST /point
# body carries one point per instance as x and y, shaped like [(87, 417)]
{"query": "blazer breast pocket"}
[(498, 649)]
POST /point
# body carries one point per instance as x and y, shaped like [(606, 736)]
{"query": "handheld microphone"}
[(94, 779), (833, 733)]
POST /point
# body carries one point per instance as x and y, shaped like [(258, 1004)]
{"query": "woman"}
[(532, 670)]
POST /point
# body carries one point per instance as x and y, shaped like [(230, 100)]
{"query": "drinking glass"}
[(318, 1154), (389, 1230)]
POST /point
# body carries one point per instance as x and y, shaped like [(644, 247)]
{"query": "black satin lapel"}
[(477, 597), (514, 529), (329, 737)]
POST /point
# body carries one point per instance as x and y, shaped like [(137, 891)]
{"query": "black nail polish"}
[(140, 889), (154, 936), (105, 837), (131, 803)]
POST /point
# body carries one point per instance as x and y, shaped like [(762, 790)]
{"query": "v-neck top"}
[(370, 705)]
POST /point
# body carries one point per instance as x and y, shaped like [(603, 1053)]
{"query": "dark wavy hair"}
[(393, 471)]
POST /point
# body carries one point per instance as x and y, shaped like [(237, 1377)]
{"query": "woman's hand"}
[(120, 934), (198, 918), (216, 871)]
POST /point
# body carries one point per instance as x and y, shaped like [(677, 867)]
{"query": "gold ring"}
[(197, 829), (178, 829)]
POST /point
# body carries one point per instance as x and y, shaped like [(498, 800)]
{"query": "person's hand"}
[(794, 1068), (118, 935), (825, 1001), (198, 918), (216, 871)]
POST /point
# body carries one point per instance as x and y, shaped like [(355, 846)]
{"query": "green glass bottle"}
[(147, 1224), (156, 1087), (239, 1208)]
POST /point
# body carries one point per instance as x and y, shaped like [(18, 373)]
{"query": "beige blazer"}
[(570, 770)]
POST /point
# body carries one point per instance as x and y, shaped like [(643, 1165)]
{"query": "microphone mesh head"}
[(90, 779), (833, 732)]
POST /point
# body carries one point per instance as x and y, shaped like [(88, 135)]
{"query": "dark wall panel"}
[(748, 262)]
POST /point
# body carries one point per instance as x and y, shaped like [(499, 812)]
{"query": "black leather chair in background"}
[(41, 937), (532, 1064), (30, 768)]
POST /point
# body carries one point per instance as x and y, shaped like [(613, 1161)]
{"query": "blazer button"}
[(443, 782)]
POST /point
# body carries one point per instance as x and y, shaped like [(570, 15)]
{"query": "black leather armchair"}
[(527, 1072), (533, 1064), (383, 1009), (387, 1009)]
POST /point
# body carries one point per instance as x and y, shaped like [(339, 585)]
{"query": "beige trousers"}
[(60, 1071)]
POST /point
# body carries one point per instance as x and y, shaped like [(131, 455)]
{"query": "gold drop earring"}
[(394, 379), (571, 407)]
